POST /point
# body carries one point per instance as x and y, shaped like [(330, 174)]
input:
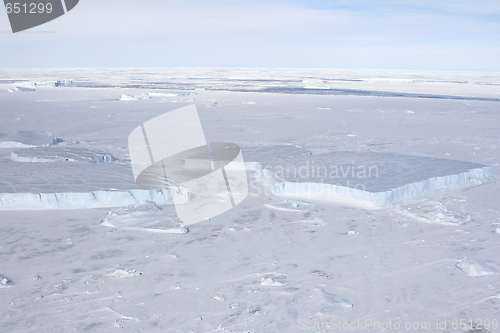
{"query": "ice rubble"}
[(134, 97), (125, 273), (144, 216), (273, 279), (474, 268), (15, 89), (4, 282)]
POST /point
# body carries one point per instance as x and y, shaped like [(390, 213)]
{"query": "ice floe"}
[(144, 216)]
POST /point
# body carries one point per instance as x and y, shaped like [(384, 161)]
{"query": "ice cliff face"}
[(90, 200), (327, 192), (351, 196)]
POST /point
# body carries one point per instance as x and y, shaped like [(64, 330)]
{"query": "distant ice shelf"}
[(61, 154)]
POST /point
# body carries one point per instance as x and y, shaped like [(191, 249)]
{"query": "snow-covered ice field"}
[(83, 249)]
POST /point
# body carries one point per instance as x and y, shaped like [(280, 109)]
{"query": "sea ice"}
[(218, 281)]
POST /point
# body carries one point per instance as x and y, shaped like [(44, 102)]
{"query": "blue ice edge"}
[(317, 191), (350, 196), (97, 199)]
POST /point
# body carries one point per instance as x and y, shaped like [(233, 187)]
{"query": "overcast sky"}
[(417, 34)]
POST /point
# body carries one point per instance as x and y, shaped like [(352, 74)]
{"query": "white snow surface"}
[(276, 262)]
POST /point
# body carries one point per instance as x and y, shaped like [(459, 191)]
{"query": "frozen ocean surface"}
[(276, 262)]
